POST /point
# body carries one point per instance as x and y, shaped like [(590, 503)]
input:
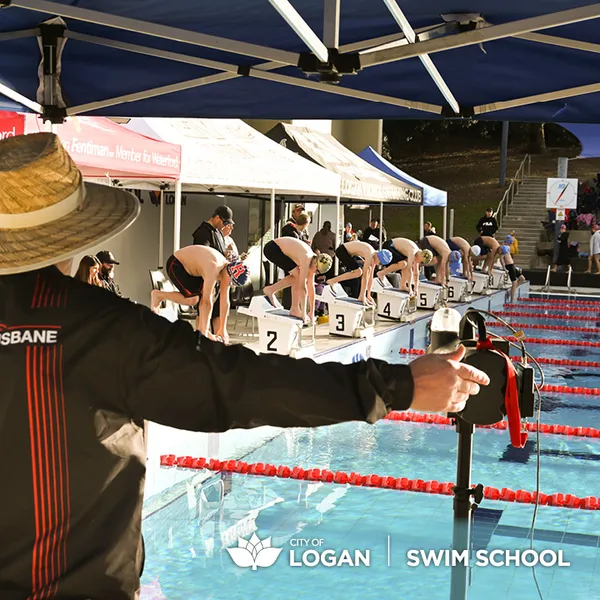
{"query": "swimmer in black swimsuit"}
[(441, 252), (195, 271)]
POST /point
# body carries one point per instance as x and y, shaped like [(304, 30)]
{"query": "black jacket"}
[(487, 226), (207, 235), (81, 369)]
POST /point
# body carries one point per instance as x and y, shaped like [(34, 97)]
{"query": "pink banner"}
[(11, 124), (101, 148)]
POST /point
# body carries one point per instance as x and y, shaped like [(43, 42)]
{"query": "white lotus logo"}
[(254, 553)]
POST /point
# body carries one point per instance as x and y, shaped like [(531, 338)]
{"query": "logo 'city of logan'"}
[(254, 553)]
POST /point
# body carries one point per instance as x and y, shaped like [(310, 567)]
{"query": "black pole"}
[(503, 152), (461, 534)]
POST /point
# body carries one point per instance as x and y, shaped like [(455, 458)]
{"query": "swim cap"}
[(476, 250), (426, 256), (505, 249), (509, 240), (238, 272), (385, 257), (324, 262), (455, 256)]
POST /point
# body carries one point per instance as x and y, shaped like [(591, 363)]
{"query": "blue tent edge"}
[(431, 195)]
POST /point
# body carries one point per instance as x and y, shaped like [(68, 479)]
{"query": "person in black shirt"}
[(106, 274), (302, 234), (75, 456), (208, 232), (487, 226), (371, 234)]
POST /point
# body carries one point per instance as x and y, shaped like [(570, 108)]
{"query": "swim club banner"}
[(103, 149), (11, 124)]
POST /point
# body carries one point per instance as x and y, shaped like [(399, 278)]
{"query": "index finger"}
[(471, 373)]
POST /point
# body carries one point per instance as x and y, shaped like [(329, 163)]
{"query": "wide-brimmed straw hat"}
[(47, 213)]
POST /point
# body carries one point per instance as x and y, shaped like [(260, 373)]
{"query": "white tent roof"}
[(227, 156), (359, 180)]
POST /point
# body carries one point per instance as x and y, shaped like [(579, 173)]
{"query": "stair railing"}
[(569, 288), (513, 189)]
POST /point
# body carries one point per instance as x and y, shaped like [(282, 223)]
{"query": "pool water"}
[(186, 540)]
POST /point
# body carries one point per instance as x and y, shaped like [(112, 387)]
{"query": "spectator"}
[(302, 234), (487, 225), (89, 267), (428, 228), (512, 241), (349, 234), (562, 259), (107, 271), (209, 233), (159, 371), (231, 251), (371, 234), (594, 250), (324, 240)]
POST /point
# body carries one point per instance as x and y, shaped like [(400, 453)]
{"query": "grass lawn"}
[(471, 179)]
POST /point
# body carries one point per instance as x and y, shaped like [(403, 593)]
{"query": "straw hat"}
[(47, 213)]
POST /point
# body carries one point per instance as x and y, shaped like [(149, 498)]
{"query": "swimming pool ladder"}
[(570, 290), (546, 286)]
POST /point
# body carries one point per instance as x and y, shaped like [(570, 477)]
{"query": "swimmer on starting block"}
[(195, 271), (489, 252), (296, 258), (441, 252), (406, 257), (466, 251), (360, 260), (515, 274)]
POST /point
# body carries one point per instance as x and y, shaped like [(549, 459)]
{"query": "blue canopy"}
[(589, 136), (503, 60), (431, 196)]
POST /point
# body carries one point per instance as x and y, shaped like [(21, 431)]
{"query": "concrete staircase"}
[(525, 216)]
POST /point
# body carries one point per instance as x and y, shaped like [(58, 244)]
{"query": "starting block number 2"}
[(272, 335)]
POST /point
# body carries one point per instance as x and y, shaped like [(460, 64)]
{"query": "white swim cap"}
[(476, 250)]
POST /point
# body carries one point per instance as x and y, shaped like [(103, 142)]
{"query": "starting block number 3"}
[(341, 323)]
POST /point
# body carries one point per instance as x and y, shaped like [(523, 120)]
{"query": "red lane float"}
[(398, 483), (556, 342), (565, 362), (437, 419), (504, 313), (563, 308), (561, 302), (546, 327)]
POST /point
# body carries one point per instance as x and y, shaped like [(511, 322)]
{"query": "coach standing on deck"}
[(74, 454)]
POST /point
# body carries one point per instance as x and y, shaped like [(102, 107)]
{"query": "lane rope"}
[(356, 479), (438, 419), (561, 302), (546, 327), (528, 315), (563, 308)]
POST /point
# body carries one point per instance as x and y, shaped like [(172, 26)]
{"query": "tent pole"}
[(380, 225), (282, 218), (177, 217), (445, 223), (503, 153), (451, 227), (337, 230), (272, 271), (421, 221), (161, 233)]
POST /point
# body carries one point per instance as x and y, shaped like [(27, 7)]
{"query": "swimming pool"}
[(185, 541)]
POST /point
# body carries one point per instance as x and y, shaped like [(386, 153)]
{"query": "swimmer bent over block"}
[(195, 271), (295, 257), (360, 260), (406, 257)]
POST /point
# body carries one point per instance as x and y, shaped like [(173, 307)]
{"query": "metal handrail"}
[(569, 288), (546, 286), (513, 189)]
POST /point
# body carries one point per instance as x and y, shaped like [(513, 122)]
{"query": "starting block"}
[(278, 332), (498, 278), (347, 316), (482, 281), (392, 303), (458, 289), (430, 295)]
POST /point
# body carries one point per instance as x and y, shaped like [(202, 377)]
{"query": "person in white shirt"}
[(231, 251), (594, 250)]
